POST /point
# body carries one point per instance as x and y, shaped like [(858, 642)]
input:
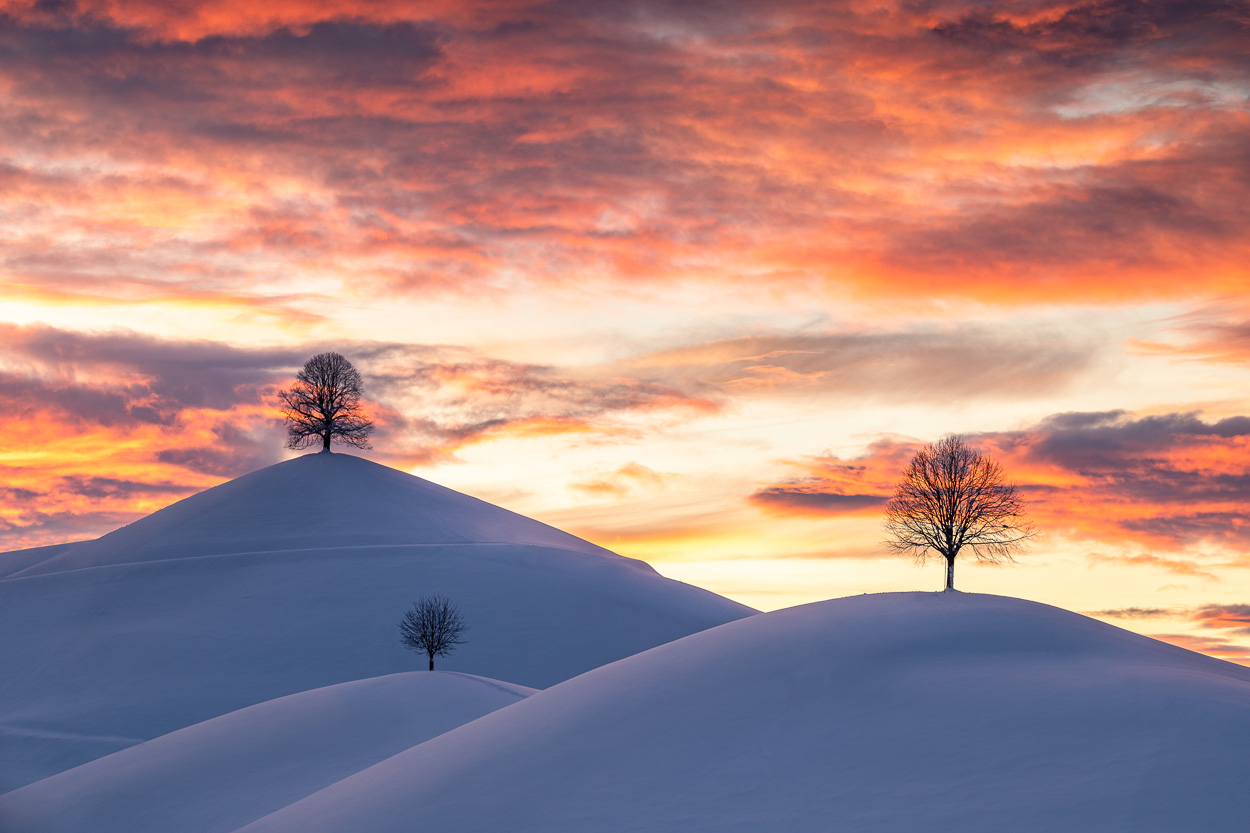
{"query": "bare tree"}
[(324, 404), (952, 497), (433, 627)]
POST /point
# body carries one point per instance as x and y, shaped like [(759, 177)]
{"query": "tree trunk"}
[(325, 441), (950, 572), (431, 662)]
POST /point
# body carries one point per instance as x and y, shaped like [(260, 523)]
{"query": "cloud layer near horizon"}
[(1166, 481), (159, 418), (170, 417)]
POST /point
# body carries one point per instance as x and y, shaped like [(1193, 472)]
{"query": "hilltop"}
[(317, 501)]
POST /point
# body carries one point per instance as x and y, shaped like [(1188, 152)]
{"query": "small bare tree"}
[(952, 497), (432, 627), (324, 404)]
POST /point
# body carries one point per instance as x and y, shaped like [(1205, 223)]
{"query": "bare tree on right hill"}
[(953, 497)]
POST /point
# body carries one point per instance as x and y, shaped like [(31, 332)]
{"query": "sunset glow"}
[(689, 280)]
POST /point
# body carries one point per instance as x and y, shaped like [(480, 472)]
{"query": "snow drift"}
[(292, 578), (908, 711), (215, 776)]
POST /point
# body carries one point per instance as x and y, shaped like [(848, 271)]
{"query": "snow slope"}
[(253, 590), (312, 502), (908, 711), (217, 775)]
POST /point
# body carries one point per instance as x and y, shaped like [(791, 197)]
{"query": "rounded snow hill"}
[(316, 501), (217, 775), (907, 711), (296, 577)]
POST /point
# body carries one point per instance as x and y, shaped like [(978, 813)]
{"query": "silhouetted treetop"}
[(433, 626), (952, 497), (324, 404)]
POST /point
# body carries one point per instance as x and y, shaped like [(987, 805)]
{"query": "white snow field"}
[(292, 578), (894, 712), (225, 772)]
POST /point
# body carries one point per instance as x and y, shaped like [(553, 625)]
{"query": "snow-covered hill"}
[(317, 501), (220, 774), (293, 578), (908, 711)]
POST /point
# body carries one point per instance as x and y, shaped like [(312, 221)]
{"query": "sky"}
[(692, 280)]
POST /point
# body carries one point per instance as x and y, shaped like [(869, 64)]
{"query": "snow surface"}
[(892, 712), (17, 560), (217, 775), (151, 633), (311, 502)]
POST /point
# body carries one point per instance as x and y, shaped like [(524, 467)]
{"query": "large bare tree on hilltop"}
[(953, 497), (324, 404)]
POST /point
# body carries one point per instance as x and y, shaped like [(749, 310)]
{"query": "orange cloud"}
[(1058, 155), (66, 482), (923, 364), (629, 478), (1213, 645), (1235, 617), (830, 486), (1219, 333), (1179, 566), (1167, 481), (105, 427)]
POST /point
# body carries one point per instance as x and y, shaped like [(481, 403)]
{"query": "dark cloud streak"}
[(1166, 481), (964, 362)]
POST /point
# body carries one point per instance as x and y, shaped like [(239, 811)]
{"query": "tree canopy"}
[(433, 626), (324, 404), (953, 497)]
